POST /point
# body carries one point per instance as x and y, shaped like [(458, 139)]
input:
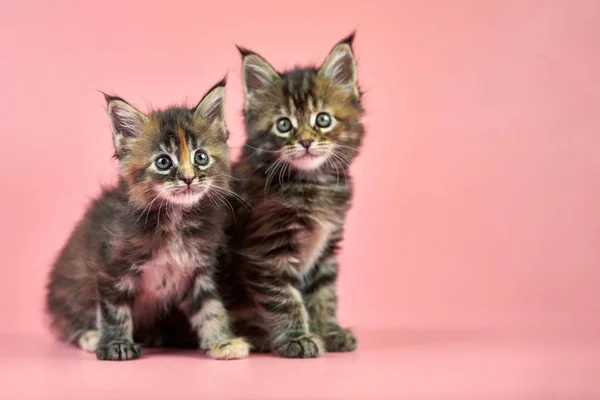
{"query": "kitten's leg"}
[(210, 320), (283, 312), (115, 323), (321, 302)]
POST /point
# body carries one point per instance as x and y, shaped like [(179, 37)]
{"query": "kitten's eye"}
[(284, 125), (201, 158), (163, 163), (323, 120)]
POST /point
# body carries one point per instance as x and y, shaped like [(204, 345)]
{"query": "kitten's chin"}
[(186, 198), (308, 162)]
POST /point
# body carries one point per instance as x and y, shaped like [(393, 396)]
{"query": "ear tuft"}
[(348, 39), (340, 66), (244, 51), (126, 122), (211, 109), (257, 73)]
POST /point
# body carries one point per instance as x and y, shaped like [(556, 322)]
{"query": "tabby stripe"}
[(319, 281), (115, 321), (204, 289)]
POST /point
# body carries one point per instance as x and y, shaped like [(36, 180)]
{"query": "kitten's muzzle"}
[(188, 187)]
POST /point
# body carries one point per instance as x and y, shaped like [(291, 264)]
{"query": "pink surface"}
[(407, 364), (477, 197)]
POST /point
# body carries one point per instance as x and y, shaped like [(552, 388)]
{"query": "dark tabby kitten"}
[(303, 129), (139, 266)]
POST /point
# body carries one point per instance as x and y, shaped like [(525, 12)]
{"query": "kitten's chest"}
[(167, 274), (313, 240)]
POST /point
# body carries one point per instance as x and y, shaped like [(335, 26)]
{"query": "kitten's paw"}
[(340, 340), (88, 341), (231, 349), (118, 350), (310, 346)]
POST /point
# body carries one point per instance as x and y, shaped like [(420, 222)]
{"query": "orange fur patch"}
[(185, 151), (186, 165)]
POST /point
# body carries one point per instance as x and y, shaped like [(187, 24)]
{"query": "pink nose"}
[(305, 143)]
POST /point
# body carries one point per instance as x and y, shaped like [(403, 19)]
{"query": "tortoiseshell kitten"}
[(303, 131), (139, 266)]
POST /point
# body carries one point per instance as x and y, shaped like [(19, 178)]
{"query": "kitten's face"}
[(307, 118), (175, 156)]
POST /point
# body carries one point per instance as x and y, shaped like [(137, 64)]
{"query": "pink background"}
[(471, 264)]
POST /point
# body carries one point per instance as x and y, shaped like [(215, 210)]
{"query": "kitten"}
[(139, 266), (303, 130)]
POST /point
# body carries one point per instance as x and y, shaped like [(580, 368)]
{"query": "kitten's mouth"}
[(186, 190), (307, 155), (308, 160), (187, 195)]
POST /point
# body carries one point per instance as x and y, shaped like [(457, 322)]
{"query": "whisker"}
[(344, 157), (148, 213), (345, 146), (231, 177), (241, 199), (227, 204), (343, 170), (337, 174), (270, 175), (209, 196), (285, 166), (258, 149), (339, 157), (167, 210), (159, 208), (273, 165)]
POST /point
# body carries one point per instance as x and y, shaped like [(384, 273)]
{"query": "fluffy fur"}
[(138, 268), (303, 131)]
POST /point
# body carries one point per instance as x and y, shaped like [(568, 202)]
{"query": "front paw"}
[(309, 346), (118, 350), (340, 340), (231, 349)]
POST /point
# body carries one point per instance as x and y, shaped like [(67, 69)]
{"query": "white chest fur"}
[(163, 279), (312, 242)]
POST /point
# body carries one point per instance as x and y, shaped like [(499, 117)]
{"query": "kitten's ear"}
[(257, 73), (340, 65), (126, 122), (211, 109)]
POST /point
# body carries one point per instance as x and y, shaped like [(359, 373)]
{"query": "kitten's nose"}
[(305, 143), (188, 180)]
